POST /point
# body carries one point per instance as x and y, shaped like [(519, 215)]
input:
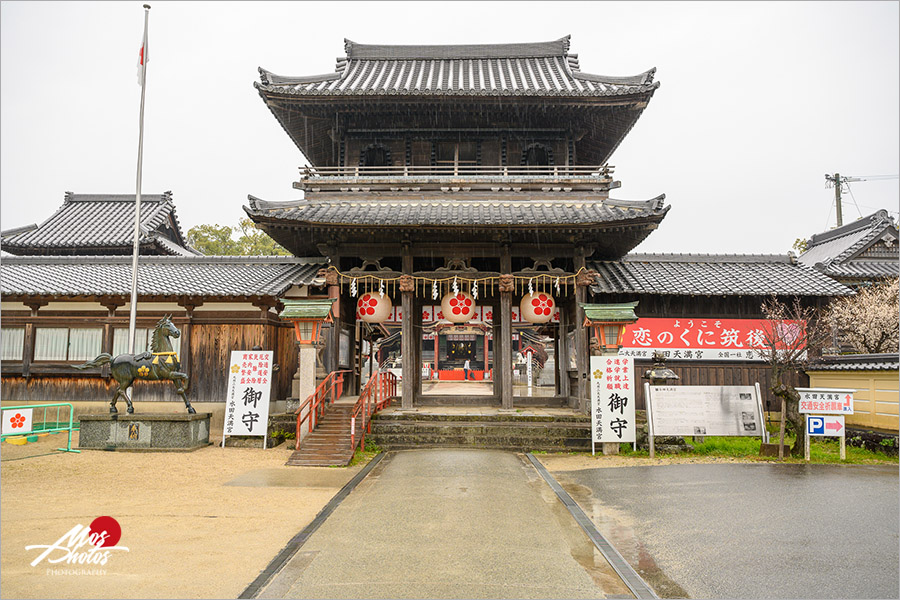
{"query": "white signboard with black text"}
[(612, 399), (700, 410), (249, 387)]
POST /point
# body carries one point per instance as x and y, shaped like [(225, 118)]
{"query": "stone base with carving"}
[(145, 432)]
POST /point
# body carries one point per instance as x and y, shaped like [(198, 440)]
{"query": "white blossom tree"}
[(868, 321), (792, 336)]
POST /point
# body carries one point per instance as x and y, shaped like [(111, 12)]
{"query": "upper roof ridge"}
[(710, 258), (355, 50), (874, 219)]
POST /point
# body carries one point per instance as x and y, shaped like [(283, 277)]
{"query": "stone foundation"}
[(144, 432)]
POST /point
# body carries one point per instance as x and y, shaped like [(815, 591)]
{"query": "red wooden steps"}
[(329, 443)]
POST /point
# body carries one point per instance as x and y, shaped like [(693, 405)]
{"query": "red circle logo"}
[(108, 526)]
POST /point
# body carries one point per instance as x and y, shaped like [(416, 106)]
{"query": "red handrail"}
[(378, 393), (331, 388)]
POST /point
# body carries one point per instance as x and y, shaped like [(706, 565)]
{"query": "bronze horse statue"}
[(161, 362)]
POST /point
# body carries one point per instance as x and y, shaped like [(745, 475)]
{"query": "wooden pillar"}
[(334, 332), (110, 304), (407, 343), (503, 350), (189, 304), (28, 351), (581, 341), (562, 354), (437, 350)]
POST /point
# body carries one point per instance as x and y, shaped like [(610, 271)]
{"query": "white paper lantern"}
[(537, 308), (373, 308), (458, 307)]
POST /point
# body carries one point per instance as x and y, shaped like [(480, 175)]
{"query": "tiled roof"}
[(454, 211), (222, 276), (858, 362), (712, 275), (534, 69), (103, 224), (837, 252)]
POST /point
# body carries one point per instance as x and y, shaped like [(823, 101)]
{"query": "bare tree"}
[(868, 321), (793, 335)]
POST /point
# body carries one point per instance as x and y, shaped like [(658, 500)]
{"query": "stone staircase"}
[(329, 444), (520, 432)]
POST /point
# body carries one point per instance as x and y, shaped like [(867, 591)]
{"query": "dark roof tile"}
[(453, 211), (222, 276), (103, 223), (712, 275), (531, 69)]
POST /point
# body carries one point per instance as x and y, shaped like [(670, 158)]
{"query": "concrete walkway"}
[(449, 523)]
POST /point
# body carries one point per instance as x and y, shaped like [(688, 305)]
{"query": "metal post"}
[(649, 418), (762, 415), (132, 317), (837, 199), (781, 433), (806, 439), (844, 443)]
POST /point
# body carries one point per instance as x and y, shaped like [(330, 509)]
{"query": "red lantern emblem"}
[(373, 308), (458, 307), (537, 308)]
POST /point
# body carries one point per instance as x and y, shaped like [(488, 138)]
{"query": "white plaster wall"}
[(13, 306), (225, 306)]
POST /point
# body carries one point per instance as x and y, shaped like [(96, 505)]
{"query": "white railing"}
[(603, 171)]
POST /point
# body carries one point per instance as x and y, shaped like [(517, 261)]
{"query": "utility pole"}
[(836, 180)]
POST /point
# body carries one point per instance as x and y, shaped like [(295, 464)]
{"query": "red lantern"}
[(373, 308), (458, 307), (537, 307)]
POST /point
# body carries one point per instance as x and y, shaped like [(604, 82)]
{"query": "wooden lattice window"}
[(537, 155), (375, 155)]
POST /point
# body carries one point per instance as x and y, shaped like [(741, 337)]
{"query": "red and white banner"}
[(16, 420), (701, 339)]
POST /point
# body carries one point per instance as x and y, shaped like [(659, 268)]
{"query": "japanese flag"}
[(143, 57), (16, 420)]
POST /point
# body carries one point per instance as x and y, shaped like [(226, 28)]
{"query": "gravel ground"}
[(188, 533)]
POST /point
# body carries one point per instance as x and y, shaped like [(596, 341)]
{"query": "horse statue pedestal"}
[(147, 432)]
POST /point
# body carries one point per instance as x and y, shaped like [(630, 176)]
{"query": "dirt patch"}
[(199, 524)]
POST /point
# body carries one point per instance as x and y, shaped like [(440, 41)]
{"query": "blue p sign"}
[(815, 425)]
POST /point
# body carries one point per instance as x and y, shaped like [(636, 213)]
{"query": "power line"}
[(854, 201), (839, 182)]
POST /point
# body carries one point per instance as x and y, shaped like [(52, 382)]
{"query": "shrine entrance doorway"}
[(457, 360)]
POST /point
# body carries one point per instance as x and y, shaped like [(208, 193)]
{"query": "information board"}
[(249, 387), (825, 401), (826, 425), (612, 399), (699, 410)]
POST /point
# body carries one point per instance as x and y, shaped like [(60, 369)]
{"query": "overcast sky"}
[(757, 102)]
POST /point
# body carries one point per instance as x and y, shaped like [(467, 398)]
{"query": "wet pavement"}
[(448, 523), (749, 530)]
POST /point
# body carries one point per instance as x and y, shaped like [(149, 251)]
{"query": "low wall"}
[(876, 402)]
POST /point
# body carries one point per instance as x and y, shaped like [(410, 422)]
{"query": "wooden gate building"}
[(480, 169)]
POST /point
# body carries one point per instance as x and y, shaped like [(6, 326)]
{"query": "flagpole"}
[(132, 317)]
